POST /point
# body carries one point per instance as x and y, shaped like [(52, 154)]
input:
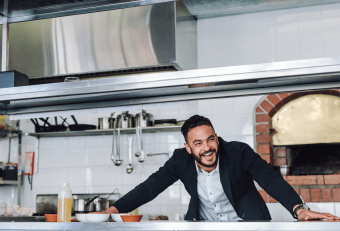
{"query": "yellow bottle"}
[(64, 203)]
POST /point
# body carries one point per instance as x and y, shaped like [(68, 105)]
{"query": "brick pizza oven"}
[(302, 130)]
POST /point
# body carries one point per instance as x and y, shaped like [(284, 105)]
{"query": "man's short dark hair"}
[(194, 121)]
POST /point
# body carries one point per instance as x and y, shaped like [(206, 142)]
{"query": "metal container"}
[(283, 169), (101, 204), (84, 205), (106, 123), (125, 120), (144, 119)]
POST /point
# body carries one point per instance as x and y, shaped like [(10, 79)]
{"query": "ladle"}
[(142, 157), (129, 168), (118, 161), (138, 142)]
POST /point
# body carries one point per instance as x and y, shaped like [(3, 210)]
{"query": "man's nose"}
[(206, 146)]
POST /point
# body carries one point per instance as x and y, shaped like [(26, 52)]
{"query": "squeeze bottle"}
[(64, 203)]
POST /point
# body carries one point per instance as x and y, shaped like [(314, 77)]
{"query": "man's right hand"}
[(112, 209)]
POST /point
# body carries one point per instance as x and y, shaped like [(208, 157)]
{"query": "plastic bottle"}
[(64, 203)]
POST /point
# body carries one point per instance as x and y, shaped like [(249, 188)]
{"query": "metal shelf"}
[(9, 182), (98, 132)]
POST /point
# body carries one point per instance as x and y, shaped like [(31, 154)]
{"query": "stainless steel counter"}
[(179, 225)]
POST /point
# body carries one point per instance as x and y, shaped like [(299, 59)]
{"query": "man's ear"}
[(187, 147)]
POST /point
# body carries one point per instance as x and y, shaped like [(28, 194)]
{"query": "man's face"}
[(202, 143)]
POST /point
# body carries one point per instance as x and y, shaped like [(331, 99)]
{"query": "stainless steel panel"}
[(175, 86), (175, 225), (97, 42), (193, 78)]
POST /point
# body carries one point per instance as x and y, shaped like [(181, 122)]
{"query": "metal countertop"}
[(178, 225)]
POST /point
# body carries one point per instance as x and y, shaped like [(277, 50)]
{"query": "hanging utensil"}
[(142, 157), (113, 145), (138, 142), (118, 161), (129, 168)]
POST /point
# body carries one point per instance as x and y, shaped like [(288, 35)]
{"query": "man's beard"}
[(199, 158)]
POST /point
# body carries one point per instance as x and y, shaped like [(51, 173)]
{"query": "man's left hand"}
[(305, 215)]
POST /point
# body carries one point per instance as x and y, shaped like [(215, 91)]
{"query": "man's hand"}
[(305, 215), (112, 209)]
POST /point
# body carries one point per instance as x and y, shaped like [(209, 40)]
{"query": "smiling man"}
[(219, 176)]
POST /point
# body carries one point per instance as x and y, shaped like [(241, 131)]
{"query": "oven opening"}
[(315, 159)]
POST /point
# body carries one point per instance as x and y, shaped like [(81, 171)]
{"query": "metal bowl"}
[(283, 169)]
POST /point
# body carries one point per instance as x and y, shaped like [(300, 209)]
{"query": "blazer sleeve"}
[(269, 179), (150, 188)]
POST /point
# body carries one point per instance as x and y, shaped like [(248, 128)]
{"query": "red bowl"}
[(131, 218), (51, 217)]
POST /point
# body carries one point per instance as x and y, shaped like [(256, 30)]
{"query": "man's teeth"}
[(208, 154)]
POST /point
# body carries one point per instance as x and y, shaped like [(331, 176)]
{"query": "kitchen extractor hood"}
[(147, 38), (257, 79)]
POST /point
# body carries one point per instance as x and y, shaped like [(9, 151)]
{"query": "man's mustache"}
[(210, 150)]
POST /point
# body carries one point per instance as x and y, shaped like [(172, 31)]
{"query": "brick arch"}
[(264, 110)]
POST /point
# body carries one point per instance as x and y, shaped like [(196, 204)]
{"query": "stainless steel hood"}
[(269, 78), (151, 37)]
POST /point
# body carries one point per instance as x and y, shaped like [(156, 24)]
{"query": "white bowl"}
[(117, 218), (97, 217), (81, 217), (3, 205), (3, 211)]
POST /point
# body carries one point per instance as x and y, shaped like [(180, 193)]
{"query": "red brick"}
[(263, 195), (335, 92), (272, 200), (258, 109), (281, 152), (278, 106), (262, 128), (268, 158), (305, 194), (332, 179), (280, 161), (297, 191), (315, 195), (319, 179), (294, 95), (326, 195), (336, 194), (325, 92), (302, 180), (263, 139), (264, 149), (268, 107), (274, 99), (314, 92), (263, 118), (285, 98), (304, 93)]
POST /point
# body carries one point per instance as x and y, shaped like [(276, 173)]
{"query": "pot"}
[(84, 205), (101, 204), (125, 120), (106, 122), (144, 119)]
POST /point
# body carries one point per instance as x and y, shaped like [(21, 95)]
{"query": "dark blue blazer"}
[(239, 166)]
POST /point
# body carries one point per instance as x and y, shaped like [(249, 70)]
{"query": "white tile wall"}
[(301, 33), (281, 35)]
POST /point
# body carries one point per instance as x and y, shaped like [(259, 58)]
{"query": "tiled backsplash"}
[(300, 33)]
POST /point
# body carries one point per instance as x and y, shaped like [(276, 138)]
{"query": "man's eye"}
[(198, 144)]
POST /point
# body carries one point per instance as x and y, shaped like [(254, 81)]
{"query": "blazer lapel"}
[(225, 174)]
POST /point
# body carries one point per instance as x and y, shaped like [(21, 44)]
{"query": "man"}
[(219, 176)]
